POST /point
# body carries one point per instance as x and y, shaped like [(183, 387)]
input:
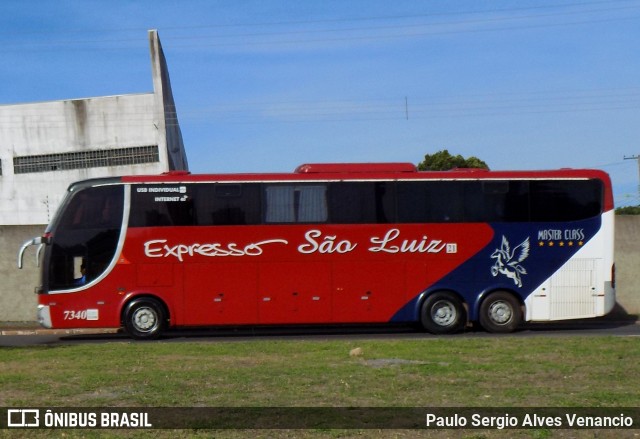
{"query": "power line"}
[(410, 26), (95, 30), (206, 40), (377, 108)]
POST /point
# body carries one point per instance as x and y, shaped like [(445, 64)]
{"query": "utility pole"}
[(406, 107), (636, 158)]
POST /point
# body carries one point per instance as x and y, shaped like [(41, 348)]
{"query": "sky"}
[(266, 85)]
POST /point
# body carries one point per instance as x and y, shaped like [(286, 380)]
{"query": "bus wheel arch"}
[(500, 311), (145, 317), (443, 312)]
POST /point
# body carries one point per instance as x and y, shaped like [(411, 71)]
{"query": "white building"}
[(46, 146)]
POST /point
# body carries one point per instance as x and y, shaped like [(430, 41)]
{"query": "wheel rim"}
[(500, 312), (444, 313), (145, 319)]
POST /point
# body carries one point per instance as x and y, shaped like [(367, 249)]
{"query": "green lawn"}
[(457, 372)]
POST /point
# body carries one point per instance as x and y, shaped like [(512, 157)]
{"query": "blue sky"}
[(263, 86)]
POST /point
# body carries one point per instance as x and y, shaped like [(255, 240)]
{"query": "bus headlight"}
[(44, 316)]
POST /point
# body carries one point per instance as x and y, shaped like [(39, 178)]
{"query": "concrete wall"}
[(19, 303), (627, 259), (17, 299)]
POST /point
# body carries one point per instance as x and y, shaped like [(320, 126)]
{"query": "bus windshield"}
[(85, 238)]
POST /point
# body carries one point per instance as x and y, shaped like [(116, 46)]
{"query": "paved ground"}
[(36, 330), (600, 326)]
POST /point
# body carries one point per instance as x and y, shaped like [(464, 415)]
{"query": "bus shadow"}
[(297, 331), (338, 332), (256, 332), (601, 323)]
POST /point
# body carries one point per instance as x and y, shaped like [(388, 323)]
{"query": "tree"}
[(443, 161), (628, 210)]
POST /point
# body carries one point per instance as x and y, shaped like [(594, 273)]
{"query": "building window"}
[(86, 159)]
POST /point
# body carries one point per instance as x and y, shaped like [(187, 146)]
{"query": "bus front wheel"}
[(443, 313), (144, 318), (500, 313)]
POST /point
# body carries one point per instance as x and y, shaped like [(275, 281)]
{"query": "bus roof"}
[(354, 168), (369, 171)]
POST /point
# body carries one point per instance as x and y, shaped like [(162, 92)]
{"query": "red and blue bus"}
[(330, 244)]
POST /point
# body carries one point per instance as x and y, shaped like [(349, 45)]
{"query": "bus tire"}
[(500, 312), (145, 318), (443, 313)]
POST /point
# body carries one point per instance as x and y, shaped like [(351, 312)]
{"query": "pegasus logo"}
[(508, 261)]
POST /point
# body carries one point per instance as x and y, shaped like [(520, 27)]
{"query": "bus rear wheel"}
[(144, 318), (500, 313), (443, 313)]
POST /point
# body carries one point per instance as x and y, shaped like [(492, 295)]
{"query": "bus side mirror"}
[(34, 241)]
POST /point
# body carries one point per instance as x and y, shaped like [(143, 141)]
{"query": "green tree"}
[(443, 161), (628, 210)]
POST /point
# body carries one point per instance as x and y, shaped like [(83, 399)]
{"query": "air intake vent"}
[(86, 159)]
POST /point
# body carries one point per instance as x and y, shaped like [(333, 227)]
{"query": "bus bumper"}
[(44, 316), (609, 297)]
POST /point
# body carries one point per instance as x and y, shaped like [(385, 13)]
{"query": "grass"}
[(494, 372)]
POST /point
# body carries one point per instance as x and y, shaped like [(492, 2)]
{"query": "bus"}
[(364, 243)]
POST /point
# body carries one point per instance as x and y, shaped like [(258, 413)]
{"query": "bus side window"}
[(496, 201), (558, 200), (430, 201), (362, 202), (227, 204), (226, 209), (296, 204), (157, 209)]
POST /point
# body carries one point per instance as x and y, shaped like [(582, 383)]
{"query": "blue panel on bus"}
[(519, 258)]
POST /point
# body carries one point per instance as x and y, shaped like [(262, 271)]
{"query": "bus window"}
[(227, 204), (85, 239), (361, 203), (296, 204), (565, 200), (430, 201), (161, 206), (496, 201)]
